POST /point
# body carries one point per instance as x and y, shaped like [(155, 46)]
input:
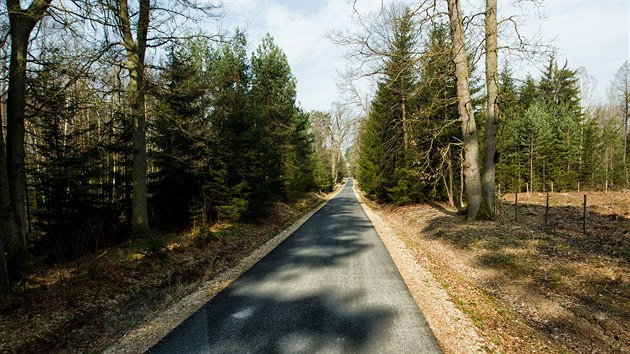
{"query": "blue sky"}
[(593, 34)]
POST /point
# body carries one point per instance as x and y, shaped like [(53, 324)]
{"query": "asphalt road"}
[(331, 287)]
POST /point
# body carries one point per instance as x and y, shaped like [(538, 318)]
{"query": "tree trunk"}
[(405, 125), (10, 236), (492, 107), (531, 163), (464, 106), (139, 211), (626, 115), (16, 171), (21, 24), (135, 50)]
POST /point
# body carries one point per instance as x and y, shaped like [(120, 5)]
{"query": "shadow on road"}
[(318, 322), (276, 306)]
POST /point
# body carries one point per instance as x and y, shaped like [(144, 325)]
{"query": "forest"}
[(122, 120), (547, 134), (119, 126), (145, 150)]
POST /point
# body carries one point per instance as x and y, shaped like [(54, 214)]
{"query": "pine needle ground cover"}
[(527, 287), (86, 305)]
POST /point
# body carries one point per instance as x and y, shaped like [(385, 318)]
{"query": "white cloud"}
[(590, 33), (300, 29), (587, 33)]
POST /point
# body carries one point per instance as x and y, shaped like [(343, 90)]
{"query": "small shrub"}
[(154, 247), (234, 210), (203, 237)]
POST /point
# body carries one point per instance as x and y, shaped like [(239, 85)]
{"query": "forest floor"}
[(89, 304), (528, 287)]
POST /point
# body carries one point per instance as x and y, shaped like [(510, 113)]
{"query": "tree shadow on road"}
[(317, 322), (241, 318)]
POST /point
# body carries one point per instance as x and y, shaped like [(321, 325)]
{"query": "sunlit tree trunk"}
[(469, 128), (492, 107)]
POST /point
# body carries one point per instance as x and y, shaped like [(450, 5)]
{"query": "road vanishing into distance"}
[(331, 287)]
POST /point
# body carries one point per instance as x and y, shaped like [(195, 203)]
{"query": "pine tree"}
[(229, 82), (508, 166), (273, 104), (386, 140), (190, 171)]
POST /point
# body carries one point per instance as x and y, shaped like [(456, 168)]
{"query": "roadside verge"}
[(453, 330)]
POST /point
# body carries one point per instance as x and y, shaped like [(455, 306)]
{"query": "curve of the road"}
[(331, 287)]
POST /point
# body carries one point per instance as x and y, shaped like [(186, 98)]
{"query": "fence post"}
[(552, 187), (516, 206), (547, 210), (584, 217)]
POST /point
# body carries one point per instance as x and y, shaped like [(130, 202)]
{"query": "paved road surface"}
[(331, 287)]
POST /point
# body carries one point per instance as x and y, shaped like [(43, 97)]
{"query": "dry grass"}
[(527, 287)]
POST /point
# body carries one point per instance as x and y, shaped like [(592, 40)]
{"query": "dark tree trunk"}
[(9, 234), (13, 172), (135, 50)]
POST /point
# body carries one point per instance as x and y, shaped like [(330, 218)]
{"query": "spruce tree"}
[(188, 184), (386, 140)]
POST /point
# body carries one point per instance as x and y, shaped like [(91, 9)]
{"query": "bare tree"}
[(492, 106), (21, 22), (467, 118), (135, 48), (342, 125), (334, 130), (620, 90)]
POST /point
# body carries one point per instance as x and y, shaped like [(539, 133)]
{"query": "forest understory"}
[(528, 287), (87, 305)]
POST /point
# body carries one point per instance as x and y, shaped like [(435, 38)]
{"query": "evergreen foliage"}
[(226, 140)]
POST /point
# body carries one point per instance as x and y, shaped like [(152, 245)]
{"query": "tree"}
[(465, 108), (229, 82), (273, 104), (22, 22), (12, 168), (189, 183), (386, 139), (508, 167), (437, 134), (135, 48), (8, 229), (321, 130), (492, 107), (621, 91), (338, 128)]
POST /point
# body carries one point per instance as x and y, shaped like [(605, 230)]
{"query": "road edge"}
[(453, 330), (143, 337)]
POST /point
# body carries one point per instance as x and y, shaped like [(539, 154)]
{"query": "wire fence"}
[(514, 214)]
